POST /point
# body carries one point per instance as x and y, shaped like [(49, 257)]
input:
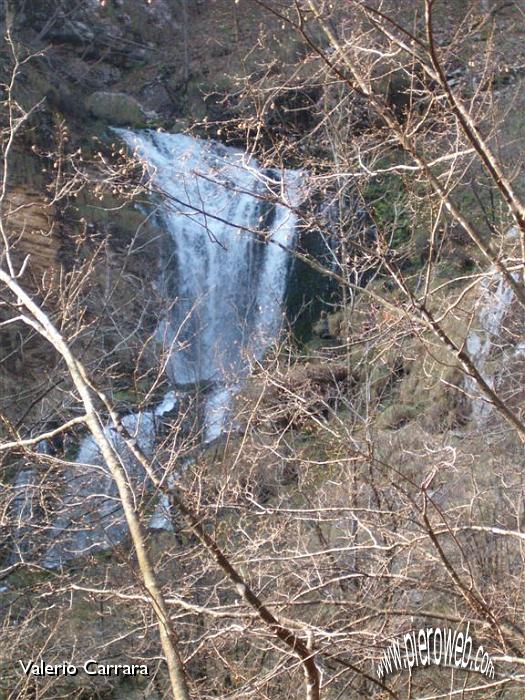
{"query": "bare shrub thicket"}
[(393, 490), (372, 482)]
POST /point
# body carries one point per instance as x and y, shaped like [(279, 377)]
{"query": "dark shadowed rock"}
[(156, 97), (71, 32)]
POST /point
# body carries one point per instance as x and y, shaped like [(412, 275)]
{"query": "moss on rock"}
[(117, 108)]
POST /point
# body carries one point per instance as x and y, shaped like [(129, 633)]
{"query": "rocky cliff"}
[(82, 70)]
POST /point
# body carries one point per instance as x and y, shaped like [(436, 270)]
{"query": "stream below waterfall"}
[(224, 285)]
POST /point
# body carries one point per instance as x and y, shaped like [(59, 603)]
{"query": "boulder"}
[(71, 32), (95, 75), (102, 74), (156, 97), (117, 108)]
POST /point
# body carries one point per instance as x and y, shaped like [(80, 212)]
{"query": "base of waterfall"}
[(92, 519)]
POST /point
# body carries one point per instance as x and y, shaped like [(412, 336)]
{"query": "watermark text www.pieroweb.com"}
[(440, 646)]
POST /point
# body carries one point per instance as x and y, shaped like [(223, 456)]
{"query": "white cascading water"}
[(493, 303), (228, 273), (230, 259), (92, 518)]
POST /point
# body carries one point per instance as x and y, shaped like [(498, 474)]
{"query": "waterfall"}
[(230, 262), (225, 279), (493, 306)]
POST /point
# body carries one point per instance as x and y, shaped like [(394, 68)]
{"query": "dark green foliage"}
[(386, 200)]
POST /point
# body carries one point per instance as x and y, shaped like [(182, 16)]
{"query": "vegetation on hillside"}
[(371, 484)]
